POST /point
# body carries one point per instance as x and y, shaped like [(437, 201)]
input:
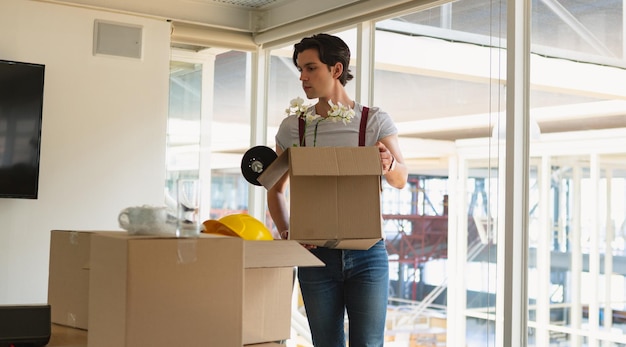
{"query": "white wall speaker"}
[(118, 39)]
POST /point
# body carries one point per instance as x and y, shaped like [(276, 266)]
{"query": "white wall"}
[(104, 125)]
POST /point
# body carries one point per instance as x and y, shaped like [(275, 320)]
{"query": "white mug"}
[(146, 220)]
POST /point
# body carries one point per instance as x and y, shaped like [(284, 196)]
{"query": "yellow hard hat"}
[(240, 225)]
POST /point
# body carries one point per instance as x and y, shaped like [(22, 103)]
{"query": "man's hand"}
[(387, 160), (285, 236)]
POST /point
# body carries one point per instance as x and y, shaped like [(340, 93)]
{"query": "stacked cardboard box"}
[(68, 281), (206, 291)]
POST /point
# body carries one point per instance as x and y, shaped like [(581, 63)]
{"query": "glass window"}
[(183, 131), (230, 133), (577, 210), (439, 73), (209, 126)]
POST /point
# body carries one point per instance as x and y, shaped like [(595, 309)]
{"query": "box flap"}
[(278, 253), (323, 161), (277, 169), (335, 161), (267, 304)]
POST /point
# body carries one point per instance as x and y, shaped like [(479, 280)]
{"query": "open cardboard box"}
[(206, 291), (334, 194)]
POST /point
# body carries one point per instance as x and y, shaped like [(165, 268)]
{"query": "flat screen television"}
[(21, 104)]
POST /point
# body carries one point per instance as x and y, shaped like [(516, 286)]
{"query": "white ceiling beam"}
[(540, 114), (293, 11), (339, 18), (204, 36), (440, 58), (203, 12)]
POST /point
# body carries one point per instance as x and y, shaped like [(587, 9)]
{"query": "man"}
[(353, 281)]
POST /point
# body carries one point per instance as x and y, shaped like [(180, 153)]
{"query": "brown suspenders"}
[(301, 126), (363, 126)]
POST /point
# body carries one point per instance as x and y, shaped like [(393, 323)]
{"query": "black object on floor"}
[(24, 325)]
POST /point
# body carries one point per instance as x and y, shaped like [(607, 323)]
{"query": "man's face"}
[(317, 79)]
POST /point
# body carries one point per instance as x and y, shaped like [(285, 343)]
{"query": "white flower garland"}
[(338, 112)]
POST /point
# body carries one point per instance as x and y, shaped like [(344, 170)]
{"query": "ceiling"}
[(246, 16), (252, 4)]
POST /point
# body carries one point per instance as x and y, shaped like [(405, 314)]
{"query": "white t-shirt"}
[(337, 134)]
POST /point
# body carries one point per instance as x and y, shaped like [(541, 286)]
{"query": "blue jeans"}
[(353, 281)]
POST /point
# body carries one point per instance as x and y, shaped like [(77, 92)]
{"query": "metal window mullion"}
[(543, 254), (608, 252), (206, 124), (576, 267), (365, 66), (594, 252), (259, 81), (512, 311), (457, 252)]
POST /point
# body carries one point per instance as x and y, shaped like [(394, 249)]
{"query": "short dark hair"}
[(331, 50)]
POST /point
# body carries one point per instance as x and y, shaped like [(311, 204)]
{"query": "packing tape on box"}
[(71, 319), (187, 251), (74, 237)]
